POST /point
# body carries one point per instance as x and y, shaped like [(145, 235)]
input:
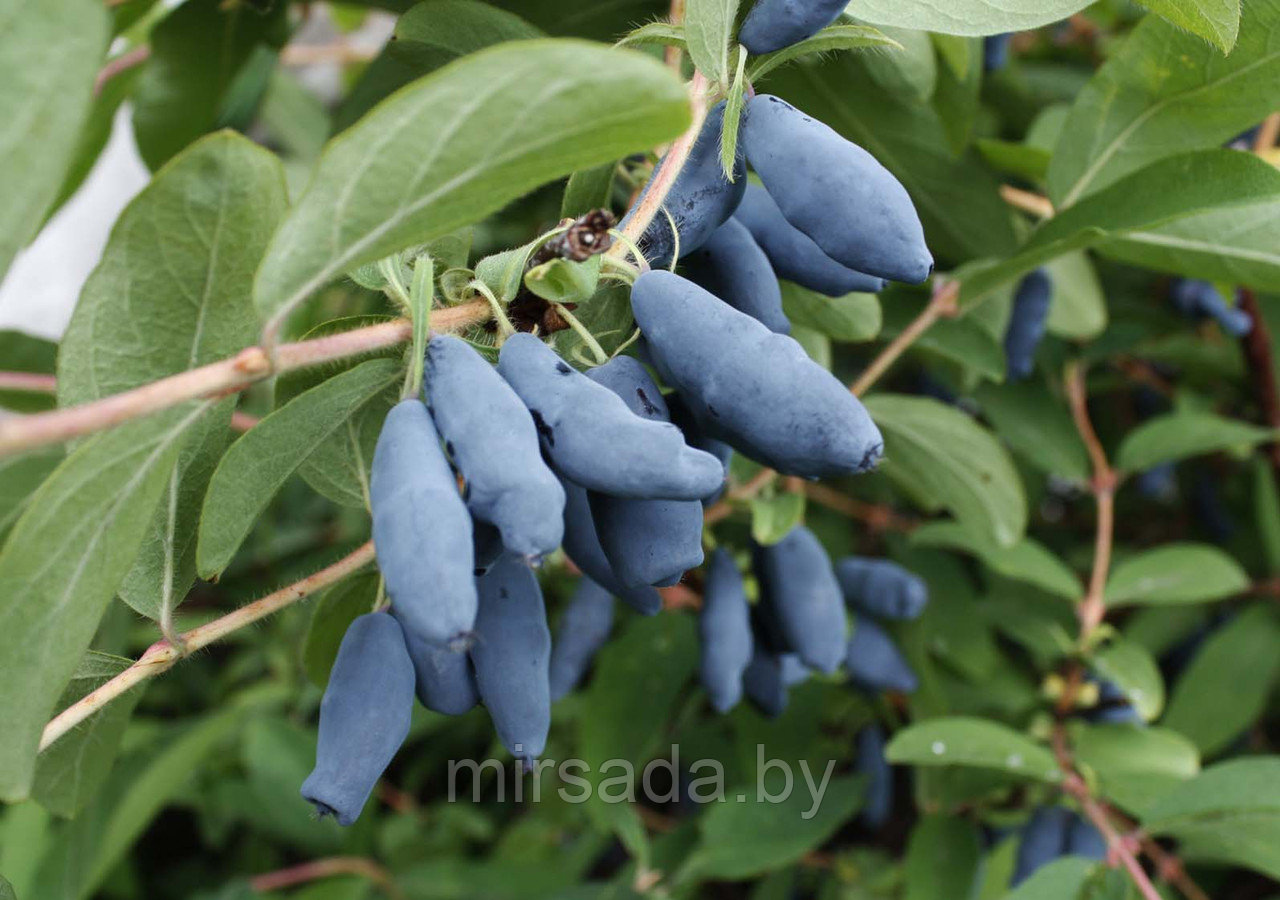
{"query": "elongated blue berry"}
[(732, 266), (725, 628), (995, 51), (1044, 839), (364, 716), (793, 254), (1027, 323), (754, 389), (593, 439), (835, 192), (762, 682), (443, 678), (700, 200), (512, 656), (646, 541), (584, 628), (582, 546), (492, 440), (421, 529), (800, 588), (1084, 839), (1198, 299), (877, 802), (874, 662), (774, 24), (881, 588), (694, 436)]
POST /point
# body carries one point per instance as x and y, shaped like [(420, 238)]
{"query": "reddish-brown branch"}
[(943, 304), (122, 63), (28, 382), (1092, 608), (876, 517), (316, 869), (242, 421), (1260, 363), (1268, 133), (217, 379)]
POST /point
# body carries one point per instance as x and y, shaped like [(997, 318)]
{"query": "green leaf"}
[(1061, 879), (1182, 434), (1175, 573), (853, 317), (708, 29), (1217, 21), (1134, 766), (19, 478), (459, 144), (773, 518), (197, 54), (971, 742), (62, 563), (944, 853), (1079, 308), (1023, 160), (955, 460), (1230, 813), (1130, 668), (956, 196), (1028, 560), (733, 116), (841, 36), (72, 770), (1037, 426), (6, 890), (563, 280), (337, 608), (1166, 90), (1225, 688), (588, 189), (27, 353), (910, 74), (814, 342), (48, 60), (968, 17), (257, 464), (429, 36), (1266, 512), (211, 210), (965, 340), (1169, 216), (741, 839), (661, 33)]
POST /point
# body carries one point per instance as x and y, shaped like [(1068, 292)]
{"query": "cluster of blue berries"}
[(1051, 833), (494, 468)]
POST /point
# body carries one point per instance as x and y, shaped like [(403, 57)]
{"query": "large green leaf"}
[(708, 28), (1037, 425), (49, 56), (971, 17), (1225, 688), (1134, 766), (1064, 878), (197, 52), (1079, 309), (19, 478), (753, 835), (1176, 573), (1230, 813), (1182, 434), (975, 743), (957, 198), (181, 260), (1169, 216), (1028, 560), (252, 471), (1129, 666), (853, 317), (955, 460), (461, 143), (1166, 91), (943, 857), (1217, 21), (71, 771), (62, 563)]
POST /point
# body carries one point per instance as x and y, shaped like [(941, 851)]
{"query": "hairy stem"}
[(161, 655), (943, 304), (316, 869), (28, 382), (217, 379)]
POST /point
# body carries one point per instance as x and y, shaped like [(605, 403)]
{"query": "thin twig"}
[(1268, 133), (317, 869), (161, 655), (1092, 608), (341, 53), (29, 382), (217, 379), (1027, 201), (242, 421), (673, 56), (943, 304), (876, 517), (1259, 361), (120, 64)]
